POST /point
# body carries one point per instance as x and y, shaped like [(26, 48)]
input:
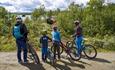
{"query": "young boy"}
[(56, 42), (44, 45)]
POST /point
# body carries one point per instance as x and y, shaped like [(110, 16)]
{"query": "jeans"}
[(21, 45), (44, 53), (78, 42)]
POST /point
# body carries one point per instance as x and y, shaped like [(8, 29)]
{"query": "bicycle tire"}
[(90, 51), (72, 51), (34, 54), (61, 50)]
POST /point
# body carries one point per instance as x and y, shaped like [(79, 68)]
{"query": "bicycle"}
[(32, 53), (67, 49), (50, 56), (89, 50)]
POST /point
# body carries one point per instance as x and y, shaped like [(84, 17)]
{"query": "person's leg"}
[(58, 50), (81, 47), (23, 45), (54, 45), (18, 50), (25, 54), (78, 42), (43, 53), (46, 53)]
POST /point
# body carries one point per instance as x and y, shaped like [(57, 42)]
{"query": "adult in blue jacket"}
[(20, 33)]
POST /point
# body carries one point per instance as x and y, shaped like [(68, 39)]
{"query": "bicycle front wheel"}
[(34, 54), (90, 51)]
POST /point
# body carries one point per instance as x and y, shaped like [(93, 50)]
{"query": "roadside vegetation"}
[(97, 20)]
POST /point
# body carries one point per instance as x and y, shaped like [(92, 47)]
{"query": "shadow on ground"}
[(33, 66), (66, 65), (101, 60), (97, 59)]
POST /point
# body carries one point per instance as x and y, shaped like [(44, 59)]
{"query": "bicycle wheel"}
[(34, 54), (61, 50), (73, 52), (90, 51)]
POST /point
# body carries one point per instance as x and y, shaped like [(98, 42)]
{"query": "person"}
[(79, 36), (44, 45), (20, 33), (56, 42)]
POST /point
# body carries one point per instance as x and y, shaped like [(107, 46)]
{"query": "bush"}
[(107, 43)]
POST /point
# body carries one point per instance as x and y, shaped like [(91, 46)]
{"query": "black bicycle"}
[(32, 53), (68, 50)]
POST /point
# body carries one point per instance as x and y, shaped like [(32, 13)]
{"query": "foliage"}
[(97, 20)]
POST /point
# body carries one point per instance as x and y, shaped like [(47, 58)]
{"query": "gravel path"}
[(104, 61)]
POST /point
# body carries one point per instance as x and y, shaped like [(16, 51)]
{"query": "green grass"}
[(7, 48)]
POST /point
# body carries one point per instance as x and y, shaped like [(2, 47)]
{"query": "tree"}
[(3, 12), (38, 12)]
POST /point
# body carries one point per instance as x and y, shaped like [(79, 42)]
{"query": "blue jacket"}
[(56, 36)]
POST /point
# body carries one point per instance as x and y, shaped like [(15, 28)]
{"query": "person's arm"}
[(24, 30), (52, 35), (59, 37), (40, 40), (49, 38), (74, 35), (13, 31), (78, 31)]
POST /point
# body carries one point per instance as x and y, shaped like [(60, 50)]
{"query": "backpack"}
[(17, 32)]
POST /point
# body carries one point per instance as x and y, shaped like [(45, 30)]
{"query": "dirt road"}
[(104, 61)]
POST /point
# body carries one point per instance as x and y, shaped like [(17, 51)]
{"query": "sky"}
[(30, 5)]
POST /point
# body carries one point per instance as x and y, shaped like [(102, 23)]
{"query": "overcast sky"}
[(30, 5)]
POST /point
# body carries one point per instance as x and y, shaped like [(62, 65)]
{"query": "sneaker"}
[(26, 61), (77, 55), (20, 62)]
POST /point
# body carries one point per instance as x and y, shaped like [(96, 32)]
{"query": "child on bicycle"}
[(44, 45), (56, 42), (79, 36)]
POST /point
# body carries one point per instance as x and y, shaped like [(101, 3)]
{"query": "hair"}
[(55, 28)]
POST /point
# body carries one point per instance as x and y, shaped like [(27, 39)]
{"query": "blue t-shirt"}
[(44, 41), (56, 36)]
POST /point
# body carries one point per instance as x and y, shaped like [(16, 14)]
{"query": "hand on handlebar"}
[(72, 36)]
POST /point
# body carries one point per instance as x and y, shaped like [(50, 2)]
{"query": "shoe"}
[(26, 61), (77, 55), (20, 62)]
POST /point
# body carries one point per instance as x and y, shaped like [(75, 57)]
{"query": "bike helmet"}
[(77, 22), (18, 19), (44, 32)]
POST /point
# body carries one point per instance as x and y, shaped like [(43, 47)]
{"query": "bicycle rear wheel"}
[(61, 50), (34, 54), (90, 51), (73, 51)]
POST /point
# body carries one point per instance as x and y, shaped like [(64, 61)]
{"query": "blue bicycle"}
[(89, 50)]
